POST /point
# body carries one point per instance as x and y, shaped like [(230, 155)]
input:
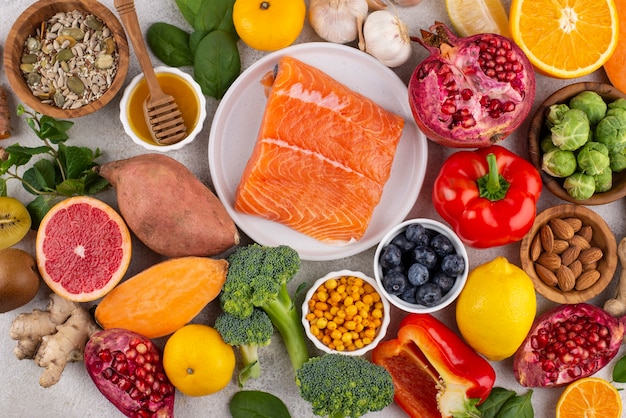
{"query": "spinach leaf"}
[(492, 405), (216, 15), (258, 404), (195, 38), (170, 44), (217, 63), (189, 9), (619, 371), (517, 407)]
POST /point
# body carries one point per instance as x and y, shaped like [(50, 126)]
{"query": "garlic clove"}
[(386, 38), (336, 20)]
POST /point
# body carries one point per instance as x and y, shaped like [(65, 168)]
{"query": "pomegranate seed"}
[(141, 348), (140, 359), (448, 108), (490, 72), (466, 94), (105, 355), (108, 373), (508, 106), (566, 358), (124, 384)]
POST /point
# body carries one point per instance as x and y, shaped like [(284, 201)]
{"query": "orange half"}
[(565, 38), (589, 397)]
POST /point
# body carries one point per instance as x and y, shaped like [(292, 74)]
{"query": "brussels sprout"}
[(572, 131), (559, 163), (611, 131), (580, 186), (591, 103), (593, 158), (546, 144), (604, 180), (618, 160), (555, 113), (617, 104), (617, 111)]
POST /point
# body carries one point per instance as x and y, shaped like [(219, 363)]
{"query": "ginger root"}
[(53, 337), (5, 118)]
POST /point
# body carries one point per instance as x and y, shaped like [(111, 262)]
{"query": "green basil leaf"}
[(498, 396), (189, 9), (170, 44), (619, 371), (216, 15), (75, 160), (38, 209), (518, 407), (217, 63), (71, 187), (258, 404), (195, 38), (42, 176)]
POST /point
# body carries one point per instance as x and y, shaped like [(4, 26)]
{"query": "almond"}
[(546, 275), (570, 255), (575, 223), (579, 241), (561, 229), (535, 247), (590, 255), (547, 238), (550, 261), (565, 278), (586, 232), (587, 279), (576, 267), (559, 246)]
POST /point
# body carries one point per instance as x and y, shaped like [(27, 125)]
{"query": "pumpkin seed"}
[(66, 41), (104, 61), (64, 55), (27, 68), (94, 23), (33, 44), (32, 79), (59, 99), (75, 85), (75, 33), (29, 58)]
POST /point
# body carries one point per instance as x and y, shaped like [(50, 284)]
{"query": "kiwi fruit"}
[(19, 279), (15, 221)]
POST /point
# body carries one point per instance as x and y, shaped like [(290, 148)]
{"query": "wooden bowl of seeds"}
[(570, 253), (66, 58)]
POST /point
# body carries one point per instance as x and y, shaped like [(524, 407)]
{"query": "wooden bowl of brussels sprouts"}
[(577, 140)]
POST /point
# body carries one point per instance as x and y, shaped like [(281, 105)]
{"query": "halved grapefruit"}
[(83, 248)]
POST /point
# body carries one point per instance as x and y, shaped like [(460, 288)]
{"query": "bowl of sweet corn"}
[(344, 312)]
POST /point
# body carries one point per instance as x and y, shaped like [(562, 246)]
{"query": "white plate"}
[(238, 118)]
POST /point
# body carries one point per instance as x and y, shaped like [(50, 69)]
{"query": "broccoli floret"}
[(257, 277), (247, 335), (338, 386)]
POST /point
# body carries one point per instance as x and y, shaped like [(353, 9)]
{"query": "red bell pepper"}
[(488, 196), (435, 373)]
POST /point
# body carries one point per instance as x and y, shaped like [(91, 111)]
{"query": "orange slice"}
[(562, 38), (614, 67), (470, 17), (590, 397)]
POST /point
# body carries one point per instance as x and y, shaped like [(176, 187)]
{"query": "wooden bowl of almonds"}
[(66, 58), (570, 253)]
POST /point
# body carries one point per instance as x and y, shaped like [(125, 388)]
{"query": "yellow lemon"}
[(470, 17), (496, 308), (197, 360), (268, 25)]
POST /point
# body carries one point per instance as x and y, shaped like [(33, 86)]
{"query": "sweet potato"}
[(168, 208)]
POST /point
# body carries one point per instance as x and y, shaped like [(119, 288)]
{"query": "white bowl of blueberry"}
[(421, 265)]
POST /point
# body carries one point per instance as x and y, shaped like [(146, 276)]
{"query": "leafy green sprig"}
[(61, 171)]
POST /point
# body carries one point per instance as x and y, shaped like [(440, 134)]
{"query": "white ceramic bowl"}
[(148, 143), (459, 283), (382, 330)]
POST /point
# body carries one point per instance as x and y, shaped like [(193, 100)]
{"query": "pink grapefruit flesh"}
[(83, 248)]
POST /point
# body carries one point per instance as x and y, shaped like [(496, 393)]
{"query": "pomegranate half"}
[(470, 92), (567, 343)]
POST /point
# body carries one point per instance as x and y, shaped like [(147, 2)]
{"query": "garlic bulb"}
[(336, 20), (407, 3), (386, 38)]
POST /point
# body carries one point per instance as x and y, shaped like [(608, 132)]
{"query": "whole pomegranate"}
[(470, 92), (127, 368), (567, 343)]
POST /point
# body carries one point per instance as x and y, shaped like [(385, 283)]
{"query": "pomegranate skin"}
[(567, 343), (470, 92), (127, 369)]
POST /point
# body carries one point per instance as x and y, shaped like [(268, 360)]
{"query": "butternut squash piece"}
[(163, 298)]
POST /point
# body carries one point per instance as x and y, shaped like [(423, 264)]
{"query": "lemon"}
[(470, 17), (496, 308), (197, 360), (268, 25)]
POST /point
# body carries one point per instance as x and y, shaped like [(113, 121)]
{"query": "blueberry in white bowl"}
[(421, 265)]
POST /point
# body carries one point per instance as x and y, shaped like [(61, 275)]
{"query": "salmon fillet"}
[(322, 156)]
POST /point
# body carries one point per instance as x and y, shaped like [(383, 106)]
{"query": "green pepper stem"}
[(492, 185)]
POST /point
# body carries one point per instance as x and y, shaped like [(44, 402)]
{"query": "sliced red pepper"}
[(435, 373), (488, 196)]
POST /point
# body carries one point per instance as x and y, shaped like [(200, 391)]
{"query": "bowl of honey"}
[(187, 94)]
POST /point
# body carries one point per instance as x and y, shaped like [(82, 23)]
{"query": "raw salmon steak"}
[(322, 156)]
